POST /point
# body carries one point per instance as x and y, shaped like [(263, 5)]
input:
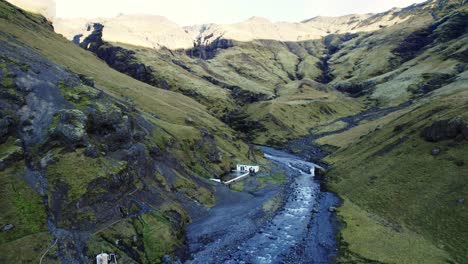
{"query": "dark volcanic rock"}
[(205, 51), (354, 89), (91, 151), (122, 60), (86, 80), (445, 129), (413, 44), (7, 124), (94, 40), (435, 152), (208, 142), (107, 121)]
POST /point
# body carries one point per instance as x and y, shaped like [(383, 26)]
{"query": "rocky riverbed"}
[(237, 230)]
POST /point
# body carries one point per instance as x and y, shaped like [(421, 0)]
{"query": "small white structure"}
[(215, 180), (102, 258), (247, 168), (105, 258)]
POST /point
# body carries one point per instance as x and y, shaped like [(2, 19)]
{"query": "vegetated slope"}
[(403, 200), (274, 91), (267, 89), (93, 159), (403, 176), (403, 181), (407, 60)]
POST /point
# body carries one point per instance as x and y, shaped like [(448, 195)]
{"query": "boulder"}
[(455, 127), (71, 126), (49, 158), (104, 116), (91, 151), (109, 123), (8, 227), (435, 152), (6, 125), (445, 129), (86, 80)]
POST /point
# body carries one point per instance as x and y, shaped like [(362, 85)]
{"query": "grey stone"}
[(47, 159), (8, 227), (91, 151), (71, 126), (435, 152)]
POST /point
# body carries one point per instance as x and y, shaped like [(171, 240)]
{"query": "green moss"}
[(145, 239), (158, 237), (237, 186), (7, 81), (6, 11), (179, 209), (374, 239), (334, 126), (430, 82), (20, 205), (80, 95), (162, 181), (29, 249), (77, 171), (391, 174), (274, 179), (10, 147), (128, 233), (190, 188)]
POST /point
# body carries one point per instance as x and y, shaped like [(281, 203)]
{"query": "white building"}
[(246, 168), (105, 258)]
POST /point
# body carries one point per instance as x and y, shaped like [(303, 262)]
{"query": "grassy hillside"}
[(401, 204), (404, 61), (265, 89), (90, 156), (398, 190), (178, 116), (96, 160)]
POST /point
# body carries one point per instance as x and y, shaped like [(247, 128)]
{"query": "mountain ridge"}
[(183, 37)]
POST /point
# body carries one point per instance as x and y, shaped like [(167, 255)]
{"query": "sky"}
[(190, 12)]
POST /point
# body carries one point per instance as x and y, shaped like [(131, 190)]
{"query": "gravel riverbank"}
[(237, 230)]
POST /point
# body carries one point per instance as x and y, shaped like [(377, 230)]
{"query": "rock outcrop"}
[(446, 129), (70, 127)]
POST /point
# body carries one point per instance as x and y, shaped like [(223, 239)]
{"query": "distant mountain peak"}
[(258, 19), (157, 31)]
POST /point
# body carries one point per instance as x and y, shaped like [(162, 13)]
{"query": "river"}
[(303, 230)]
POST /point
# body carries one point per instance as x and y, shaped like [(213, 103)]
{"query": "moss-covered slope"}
[(403, 180), (268, 90), (92, 159)]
